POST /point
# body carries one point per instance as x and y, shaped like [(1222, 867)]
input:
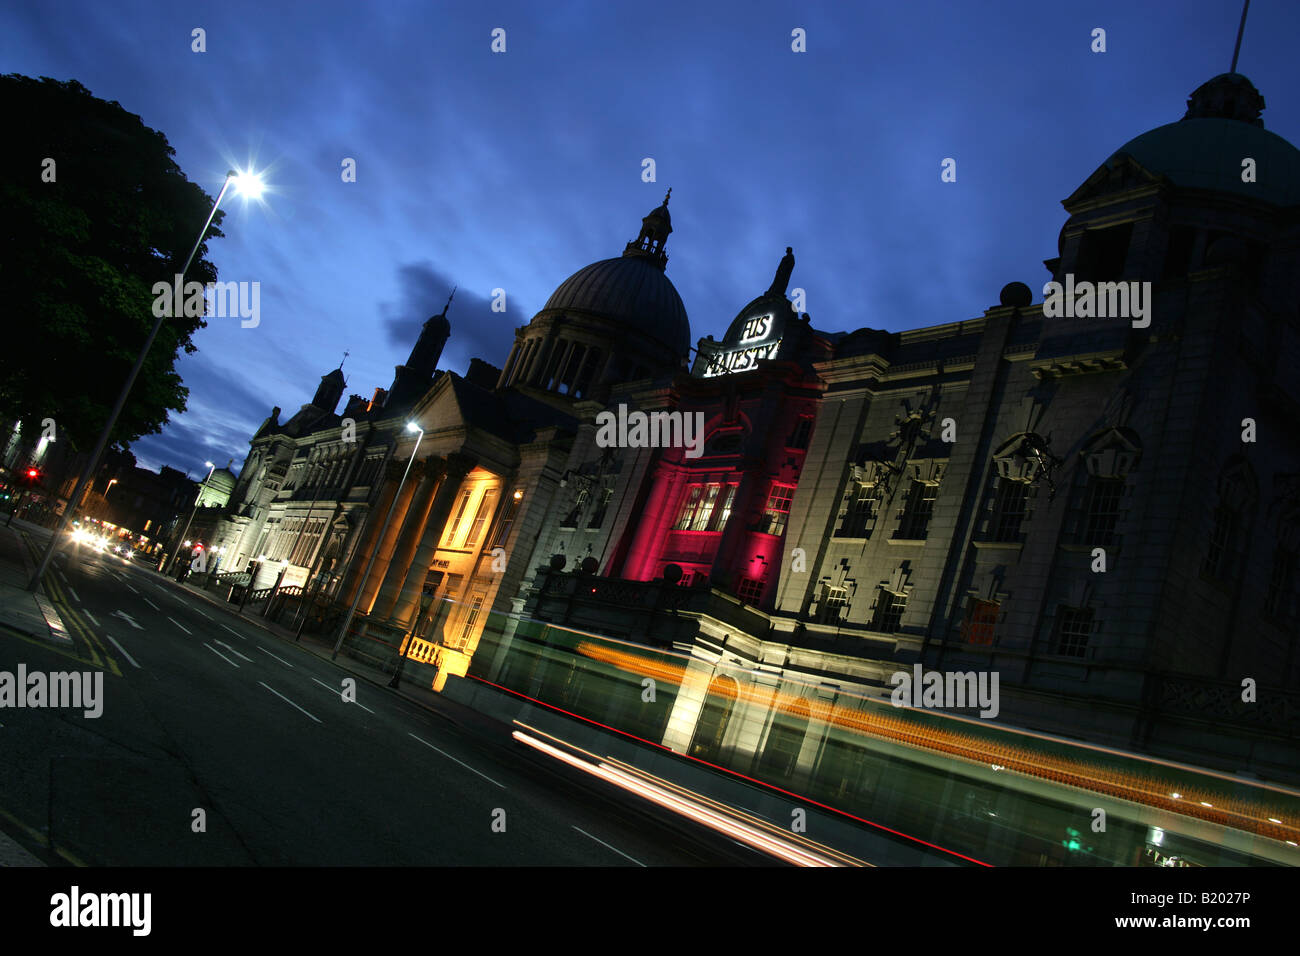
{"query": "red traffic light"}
[(32, 472)]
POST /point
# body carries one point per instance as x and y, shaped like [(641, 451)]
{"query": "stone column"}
[(412, 526), (404, 609), (386, 544)]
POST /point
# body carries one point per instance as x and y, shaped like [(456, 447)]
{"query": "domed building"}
[(612, 321), (1094, 497)]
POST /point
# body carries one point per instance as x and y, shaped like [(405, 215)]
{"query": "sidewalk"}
[(23, 610)]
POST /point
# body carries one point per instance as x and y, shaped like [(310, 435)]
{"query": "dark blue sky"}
[(515, 170)]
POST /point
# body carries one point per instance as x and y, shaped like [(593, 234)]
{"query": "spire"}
[(1241, 28), (655, 228)]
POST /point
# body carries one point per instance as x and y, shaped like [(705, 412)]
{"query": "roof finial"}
[(1241, 28), (670, 188), (345, 358), (449, 298)]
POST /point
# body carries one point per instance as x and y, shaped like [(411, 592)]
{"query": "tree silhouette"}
[(85, 238)]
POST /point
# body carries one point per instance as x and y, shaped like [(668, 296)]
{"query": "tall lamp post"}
[(193, 511), (347, 621), (249, 184)]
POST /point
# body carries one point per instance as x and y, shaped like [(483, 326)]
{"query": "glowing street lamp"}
[(250, 184), (347, 620)]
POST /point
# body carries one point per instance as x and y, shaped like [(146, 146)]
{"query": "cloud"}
[(476, 330)]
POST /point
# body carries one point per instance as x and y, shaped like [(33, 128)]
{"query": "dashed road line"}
[(461, 762), (152, 605), (235, 632), (122, 649), (180, 625), (607, 846), (92, 618), (280, 659), (288, 701), (334, 690), (73, 592), (219, 654), (133, 590), (232, 650)]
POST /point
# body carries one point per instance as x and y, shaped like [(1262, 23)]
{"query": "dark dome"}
[(631, 290), (1207, 154), (1204, 149)]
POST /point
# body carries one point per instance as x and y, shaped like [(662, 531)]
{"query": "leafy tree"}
[(84, 241)]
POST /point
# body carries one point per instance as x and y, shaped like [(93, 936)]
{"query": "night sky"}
[(514, 170)]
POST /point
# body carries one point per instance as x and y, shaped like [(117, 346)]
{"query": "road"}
[(209, 719)]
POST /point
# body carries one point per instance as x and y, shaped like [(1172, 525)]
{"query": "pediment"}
[(1121, 173)]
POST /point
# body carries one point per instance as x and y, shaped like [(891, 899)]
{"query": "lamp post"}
[(248, 184), (426, 599), (109, 488), (197, 498), (347, 620)]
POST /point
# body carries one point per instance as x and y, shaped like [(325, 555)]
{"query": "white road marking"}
[(180, 625), (122, 649), (335, 690), (288, 701), (133, 590), (607, 846), (280, 659), (128, 618), (235, 632), (219, 654), (73, 592), (152, 605), (463, 764), (197, 611), (92, 618), (232, 650), (62, 577)]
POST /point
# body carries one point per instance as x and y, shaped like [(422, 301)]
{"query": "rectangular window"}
[(1101, 510), (471, 618), (778, 509), (981, 618), (889, 611), (684, 518), (453, 528), (1008, 510), (920, 508), (859, 513), (702, 514), (1073, 628), (507, 520), (721, 515), (481, 516), (750, 590)]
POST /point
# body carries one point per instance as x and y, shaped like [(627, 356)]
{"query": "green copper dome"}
[(1205, 149)]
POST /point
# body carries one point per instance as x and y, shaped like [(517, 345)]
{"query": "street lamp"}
[(247, 183), (109, 488), (197, 498), (343, 630)]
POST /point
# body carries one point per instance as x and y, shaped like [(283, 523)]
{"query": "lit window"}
[(454, 528), (860, 511), (778, 509), (684, 518), (481, 516)]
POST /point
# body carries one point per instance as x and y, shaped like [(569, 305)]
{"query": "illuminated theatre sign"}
[(760, 338)]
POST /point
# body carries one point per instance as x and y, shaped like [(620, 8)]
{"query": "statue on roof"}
[(783, 272)]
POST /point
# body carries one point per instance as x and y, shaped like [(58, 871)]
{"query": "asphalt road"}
[(203, 711)]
